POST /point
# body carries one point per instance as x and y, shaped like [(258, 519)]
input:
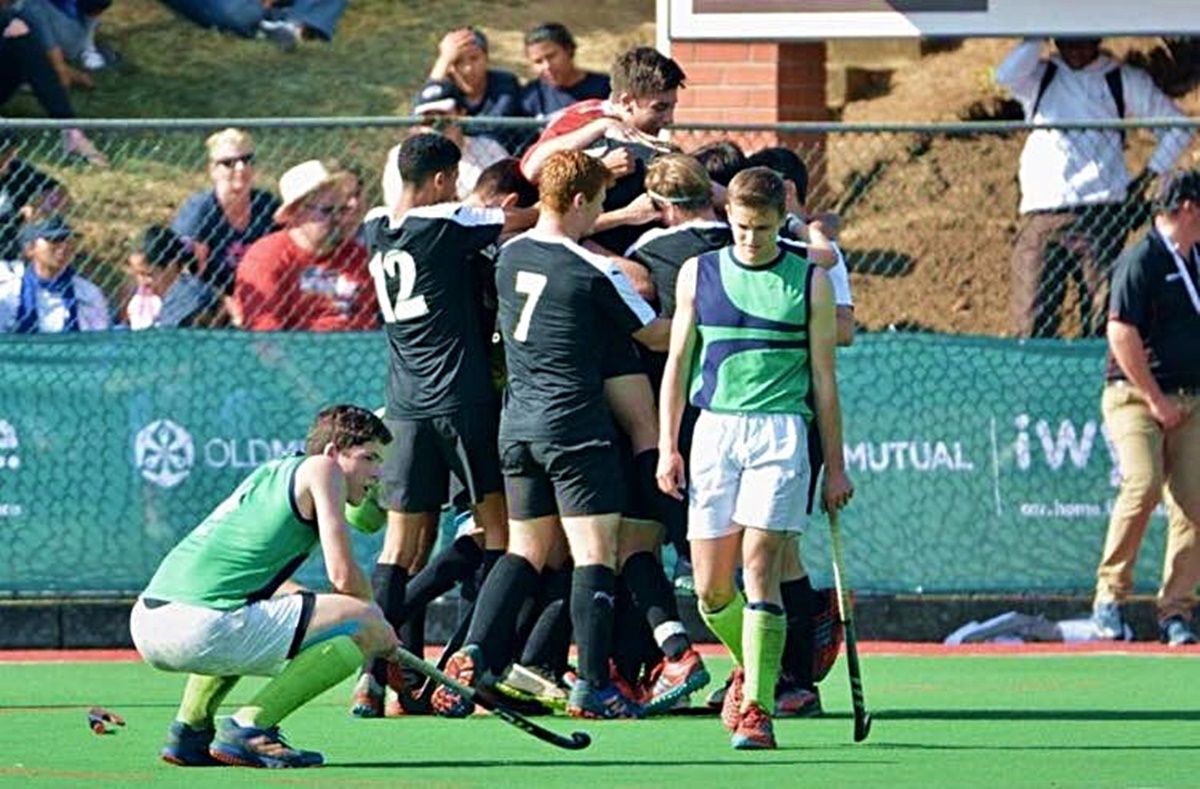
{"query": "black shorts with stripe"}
[(427, 452)]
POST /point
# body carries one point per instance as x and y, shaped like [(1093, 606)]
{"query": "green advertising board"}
[(981, 465)]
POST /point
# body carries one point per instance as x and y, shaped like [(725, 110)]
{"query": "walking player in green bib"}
[(221, 605), (752, 339)]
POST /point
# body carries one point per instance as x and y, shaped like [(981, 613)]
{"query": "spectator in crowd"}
[(26, 194), (723, 159), (311, 275), (1076, 195), (67, 29), (550, 48), (440, 104), (222, 222), (495, 93), (46, 294), (623, 130), (168, 295), (285, 23), (23, 61), (1151, 407)]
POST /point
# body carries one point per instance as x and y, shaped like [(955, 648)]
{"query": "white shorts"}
[(748, 470), (254, 640)]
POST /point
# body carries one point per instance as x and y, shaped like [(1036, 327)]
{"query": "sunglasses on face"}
[(233, 161)]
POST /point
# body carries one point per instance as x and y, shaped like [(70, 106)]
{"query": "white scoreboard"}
[(800, 20)]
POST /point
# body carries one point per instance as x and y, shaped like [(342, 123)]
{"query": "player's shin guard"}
[(312, 672), (726, 625), (653, 598), (799, 603), (390, 584), (764, 629), (592, 604), (451, 566)]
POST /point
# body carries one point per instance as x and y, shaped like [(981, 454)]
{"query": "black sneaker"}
[(1175, 632)]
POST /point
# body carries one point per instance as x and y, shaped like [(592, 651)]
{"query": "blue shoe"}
[(1109, 621), (250, 746), (1175, 632), (188, 747), (607, 703)]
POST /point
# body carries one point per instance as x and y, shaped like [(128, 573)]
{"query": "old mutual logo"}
[(164, 453)]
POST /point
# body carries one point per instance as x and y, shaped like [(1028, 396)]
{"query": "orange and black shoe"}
[(368, 698), (465, 666), (755, 731)]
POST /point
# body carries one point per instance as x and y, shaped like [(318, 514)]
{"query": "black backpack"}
[(1115, 86)]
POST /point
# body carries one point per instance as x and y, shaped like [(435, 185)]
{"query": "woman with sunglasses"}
[(220, 223)]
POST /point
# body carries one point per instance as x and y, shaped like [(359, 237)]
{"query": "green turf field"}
[(1013, 721)]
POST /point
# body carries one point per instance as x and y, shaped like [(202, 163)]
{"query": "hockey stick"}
[(862, 718), (577, 740)]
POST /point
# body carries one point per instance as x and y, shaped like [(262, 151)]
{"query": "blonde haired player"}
[(753, 332)]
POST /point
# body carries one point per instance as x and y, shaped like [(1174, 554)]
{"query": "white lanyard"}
[(1183, 270)]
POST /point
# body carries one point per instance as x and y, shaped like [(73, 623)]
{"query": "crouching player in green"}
[(753, 331), (221, 605)]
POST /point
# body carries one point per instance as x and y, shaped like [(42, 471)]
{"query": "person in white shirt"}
[(1076, 193), (44, 293)]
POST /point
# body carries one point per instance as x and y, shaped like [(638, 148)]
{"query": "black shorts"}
[(426, 452), (816, 459), (636, 505), (542, 478)]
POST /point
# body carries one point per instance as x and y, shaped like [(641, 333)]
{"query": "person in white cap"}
[(311, 275)]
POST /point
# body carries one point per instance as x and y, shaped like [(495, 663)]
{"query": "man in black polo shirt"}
[(557, 436), (1152, 411)]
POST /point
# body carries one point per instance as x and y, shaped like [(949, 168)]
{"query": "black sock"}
[(628, 630), (592, 600), (412, 631), (389, 582), (799, 602), (448, 568), (654, 600), (550, 638), (495, 618)]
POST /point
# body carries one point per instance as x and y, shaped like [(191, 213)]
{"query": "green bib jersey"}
[(752, 355), (249, 545)]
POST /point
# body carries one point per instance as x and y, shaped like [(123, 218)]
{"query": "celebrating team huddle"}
[(678, 388)]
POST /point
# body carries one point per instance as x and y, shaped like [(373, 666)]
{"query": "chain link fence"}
[(114, 443)]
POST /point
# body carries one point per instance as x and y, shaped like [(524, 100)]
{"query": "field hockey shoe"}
[(1175, 632), (188, 747), (465, 666), (404, 694), (530, 683), (251, 746), (731, 704), (607, 703), (755, 731), (794, 701), (1110, 622), (368, 698), (674, 679)]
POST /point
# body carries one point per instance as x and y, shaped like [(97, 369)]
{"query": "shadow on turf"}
[(559, 764), (1038, 715)]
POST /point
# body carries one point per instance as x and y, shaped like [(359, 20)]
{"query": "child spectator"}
[(168, 294)]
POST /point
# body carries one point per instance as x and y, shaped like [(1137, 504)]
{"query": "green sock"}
[(763, 637), (201, 698), (726, 624), (309, 674)]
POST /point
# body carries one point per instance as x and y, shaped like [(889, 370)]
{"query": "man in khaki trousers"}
[(1151, 407)]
